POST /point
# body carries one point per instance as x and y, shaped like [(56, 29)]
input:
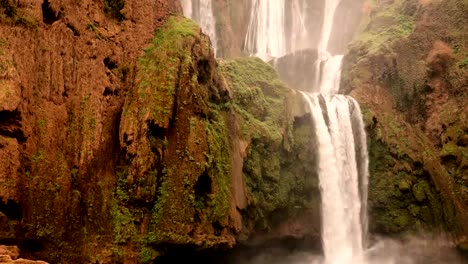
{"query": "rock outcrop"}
[(123, 140), (407, 68), (10, 254), (66, 68), (277, 151)]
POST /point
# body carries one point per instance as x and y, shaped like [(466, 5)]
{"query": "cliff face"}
[(66, 68), (278, 159), (121, 139), (407, 68)]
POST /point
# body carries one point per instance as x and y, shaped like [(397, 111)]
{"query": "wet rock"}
[(298, 69)]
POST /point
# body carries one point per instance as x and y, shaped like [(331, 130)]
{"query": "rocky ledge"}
[(10, 254)]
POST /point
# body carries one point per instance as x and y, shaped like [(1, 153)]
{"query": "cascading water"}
[(338, 169), (202, 12), (299, 32), (322, 49), (342, 156), (277, 28), (339, 129), (266, 32)]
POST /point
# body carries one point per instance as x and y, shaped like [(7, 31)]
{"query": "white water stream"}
[(266, 31), (339, 129), (342, 156), (202, 12), (342, 231)]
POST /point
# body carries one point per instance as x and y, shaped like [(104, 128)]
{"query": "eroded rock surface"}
[(407, 68), (10, 255)]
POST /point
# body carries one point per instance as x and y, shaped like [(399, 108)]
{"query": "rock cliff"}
[(407, 68), (123, 140)]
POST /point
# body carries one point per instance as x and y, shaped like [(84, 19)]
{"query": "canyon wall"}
[(408, 70), (122, 139)]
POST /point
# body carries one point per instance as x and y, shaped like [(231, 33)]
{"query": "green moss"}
[(124, 229), (259, 98), (404, 185), (160, 67), (385, 27), (278, 167), (146, 255), (163, 195), (400, 199), (419, 191), (219, 164)]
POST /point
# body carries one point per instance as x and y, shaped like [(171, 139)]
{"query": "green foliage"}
[(124, 229), (93, 27), (113, 9), (160, 66), (146, 255), (463, 63), (219, 163), (278, 166)]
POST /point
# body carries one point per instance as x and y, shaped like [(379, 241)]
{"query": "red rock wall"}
[(66, 68)]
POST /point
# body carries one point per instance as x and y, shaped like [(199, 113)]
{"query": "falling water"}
[(202, 12), (322, 49), (342, 152), (266, 32), (327, 26), (299, 36), (338, 170), (342, 156)]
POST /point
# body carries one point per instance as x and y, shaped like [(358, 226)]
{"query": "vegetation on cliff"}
[(278, 161), (176, 143), (406, 68)]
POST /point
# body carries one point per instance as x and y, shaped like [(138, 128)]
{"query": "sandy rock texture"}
[(65, 69)]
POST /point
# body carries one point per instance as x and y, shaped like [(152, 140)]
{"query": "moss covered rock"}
[(187, 128), (174, 183), (279, 162), (406, 70)]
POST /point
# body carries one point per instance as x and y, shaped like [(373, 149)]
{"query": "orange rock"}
[(5, 259), (12, 251)]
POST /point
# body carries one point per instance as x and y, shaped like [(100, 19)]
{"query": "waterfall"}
[(266, 31), (277, 28), (340, 159), (339, 128), (322, 49), (342, 156), (202, 12), (299, 28)]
